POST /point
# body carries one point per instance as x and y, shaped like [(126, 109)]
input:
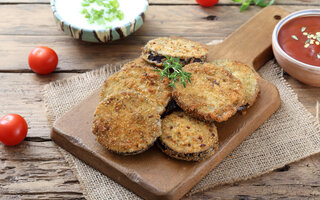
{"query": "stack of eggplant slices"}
[(170, 96)]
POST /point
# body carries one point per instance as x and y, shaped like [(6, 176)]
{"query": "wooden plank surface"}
[(36, 170), (177, 2), (160, 20), (18, 37), (21, 93)]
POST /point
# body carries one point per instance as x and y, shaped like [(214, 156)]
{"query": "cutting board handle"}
[(251, 43)]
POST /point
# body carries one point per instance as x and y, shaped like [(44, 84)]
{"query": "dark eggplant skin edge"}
[(131, 153), (196, 156), (158, 59)]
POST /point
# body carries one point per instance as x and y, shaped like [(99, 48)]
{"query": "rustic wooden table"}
[(36, 170)]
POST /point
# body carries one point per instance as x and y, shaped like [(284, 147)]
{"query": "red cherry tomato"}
[(43, 60), (207, 3), (13, 129)]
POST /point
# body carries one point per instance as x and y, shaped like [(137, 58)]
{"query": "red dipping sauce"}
[(300, 39)]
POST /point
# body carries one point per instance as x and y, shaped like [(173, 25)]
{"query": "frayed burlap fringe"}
[(291, 134)]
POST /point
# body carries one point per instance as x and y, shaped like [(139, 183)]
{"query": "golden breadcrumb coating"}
[(187, 50), (126, 123), (187, 138), (213, 94), (246, 74), (141, 77)]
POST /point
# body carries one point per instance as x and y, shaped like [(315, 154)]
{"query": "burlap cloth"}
[(291, 134)]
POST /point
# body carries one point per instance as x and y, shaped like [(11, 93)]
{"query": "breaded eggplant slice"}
[(248, 77), (126, 123), (139, 76), (187, 138), (171, 107), (156, 50), (213, 94)]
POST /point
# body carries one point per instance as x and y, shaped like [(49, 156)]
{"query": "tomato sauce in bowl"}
[(300, 39)]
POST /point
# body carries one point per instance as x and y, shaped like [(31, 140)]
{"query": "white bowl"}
[(306, 73), (68, 24)]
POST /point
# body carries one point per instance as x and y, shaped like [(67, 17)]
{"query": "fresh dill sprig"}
[(173, 70)]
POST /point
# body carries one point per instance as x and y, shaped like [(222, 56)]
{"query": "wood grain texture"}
[(19, 37), (299, 180), (184, 20), (159, 20), (21, 92), (83, 56), (40, 163), (248, 45), (36, 170), (179, 2)]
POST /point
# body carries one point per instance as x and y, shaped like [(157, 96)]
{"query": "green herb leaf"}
[(100, 21), (91, 21), (303, 29), (294, 37), (307, 41), (84, 11), (114, 4), (88, 16), (99, 2), (246, 3), (107, 11), (173, 70), (318, 55), (120, 15), (263, 3)]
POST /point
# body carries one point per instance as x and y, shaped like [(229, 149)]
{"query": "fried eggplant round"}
[(187, 138), (156, 50), (248, 77), (139, 76), (214, 94), (126, 123)]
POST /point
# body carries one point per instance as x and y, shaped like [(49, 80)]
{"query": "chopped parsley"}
[(294, 37), (108, 11), (311, 39)]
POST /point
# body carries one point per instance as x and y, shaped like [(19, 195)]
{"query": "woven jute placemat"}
[(289, 135)]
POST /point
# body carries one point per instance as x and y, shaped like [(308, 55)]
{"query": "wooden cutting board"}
[(152, 174)]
